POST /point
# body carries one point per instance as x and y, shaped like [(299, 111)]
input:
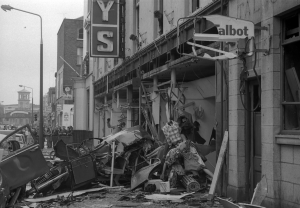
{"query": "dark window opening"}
[(195, 5), (292, 27), (291, 86)]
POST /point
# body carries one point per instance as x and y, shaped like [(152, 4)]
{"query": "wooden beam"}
[(220, 162)]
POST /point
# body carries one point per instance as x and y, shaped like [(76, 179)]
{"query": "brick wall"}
[(70, 49), (67, 44)]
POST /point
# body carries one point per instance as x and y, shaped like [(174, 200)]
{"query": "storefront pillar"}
[(80, 104)]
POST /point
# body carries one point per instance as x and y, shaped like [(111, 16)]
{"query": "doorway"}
[(253, 139)]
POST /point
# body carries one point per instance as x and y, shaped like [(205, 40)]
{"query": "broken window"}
[(291, 74)]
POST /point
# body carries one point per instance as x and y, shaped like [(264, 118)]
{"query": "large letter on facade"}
[(109, 44), (104, 9)]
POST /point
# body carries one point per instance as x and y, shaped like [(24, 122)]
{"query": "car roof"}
[(6, 132)]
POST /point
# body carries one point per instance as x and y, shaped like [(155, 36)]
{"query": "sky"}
[(20, 36)]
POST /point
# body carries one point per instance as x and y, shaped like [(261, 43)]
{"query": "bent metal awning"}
[(160, 56)]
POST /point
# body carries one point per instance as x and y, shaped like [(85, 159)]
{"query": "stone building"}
[(258, 108), (264, 140), (21, 113)]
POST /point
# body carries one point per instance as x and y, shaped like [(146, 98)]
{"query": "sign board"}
[(229, 29), (58, 107), (67, 118), (107, 31), (67, 93)]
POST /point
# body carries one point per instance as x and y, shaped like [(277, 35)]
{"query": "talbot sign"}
[(229, 29), (106, 29)]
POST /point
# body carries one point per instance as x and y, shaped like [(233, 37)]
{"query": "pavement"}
[(120, 198)]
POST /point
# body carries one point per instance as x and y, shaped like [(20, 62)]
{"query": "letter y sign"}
[(104, 9)]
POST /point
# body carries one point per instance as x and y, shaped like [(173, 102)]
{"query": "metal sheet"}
[(142, 175)]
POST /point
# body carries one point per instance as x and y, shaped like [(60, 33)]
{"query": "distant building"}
[(50, 109), (69, 59), (21, 113)]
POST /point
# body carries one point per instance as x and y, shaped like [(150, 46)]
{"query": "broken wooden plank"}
[(218, 167)]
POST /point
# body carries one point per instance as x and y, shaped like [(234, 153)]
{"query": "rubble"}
[(80, 173)]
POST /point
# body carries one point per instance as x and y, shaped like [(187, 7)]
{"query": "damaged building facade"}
[(260, 110), (264, 138)]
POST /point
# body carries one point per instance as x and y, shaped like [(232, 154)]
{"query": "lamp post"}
[(31, 103), (41, 139)]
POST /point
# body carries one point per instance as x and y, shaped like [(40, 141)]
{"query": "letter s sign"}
[(109, 45), (107, 29)]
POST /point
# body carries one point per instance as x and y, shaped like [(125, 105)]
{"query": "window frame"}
[(283, 44), (78, 33)]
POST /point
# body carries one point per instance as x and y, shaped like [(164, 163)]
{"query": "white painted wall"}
[(147, 21), (179, 9), (67, 119), (80, 104)]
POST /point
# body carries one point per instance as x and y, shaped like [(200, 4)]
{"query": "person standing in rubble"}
[(186, 128)]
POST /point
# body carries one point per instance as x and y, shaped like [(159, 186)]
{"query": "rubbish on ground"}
[(260, 192), (147, 203), (156, 182), (164, 187), (66, 194), (243, 205), (167, 197), (227, 204), (190, 184), (142, 175)]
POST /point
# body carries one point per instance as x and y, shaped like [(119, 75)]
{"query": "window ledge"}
[(287, 139)]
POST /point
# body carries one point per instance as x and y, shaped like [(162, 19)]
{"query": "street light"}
[(31, 102), (41, 139)]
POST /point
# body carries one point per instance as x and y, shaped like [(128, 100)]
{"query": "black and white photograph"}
[(150, 103)]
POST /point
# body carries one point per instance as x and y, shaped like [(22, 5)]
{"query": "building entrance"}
[(253, 143)]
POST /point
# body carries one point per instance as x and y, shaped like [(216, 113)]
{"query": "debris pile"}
[(153, 174)]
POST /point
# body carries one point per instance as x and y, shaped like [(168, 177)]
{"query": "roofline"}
[(68, 19)]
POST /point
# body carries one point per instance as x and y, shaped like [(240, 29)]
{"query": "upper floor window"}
[(195, 5), (80, 34), (79, 56), (291, 72)]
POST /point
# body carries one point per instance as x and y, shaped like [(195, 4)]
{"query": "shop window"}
[(291, 73)]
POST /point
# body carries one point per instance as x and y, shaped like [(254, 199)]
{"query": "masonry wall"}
[(279, 163)]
